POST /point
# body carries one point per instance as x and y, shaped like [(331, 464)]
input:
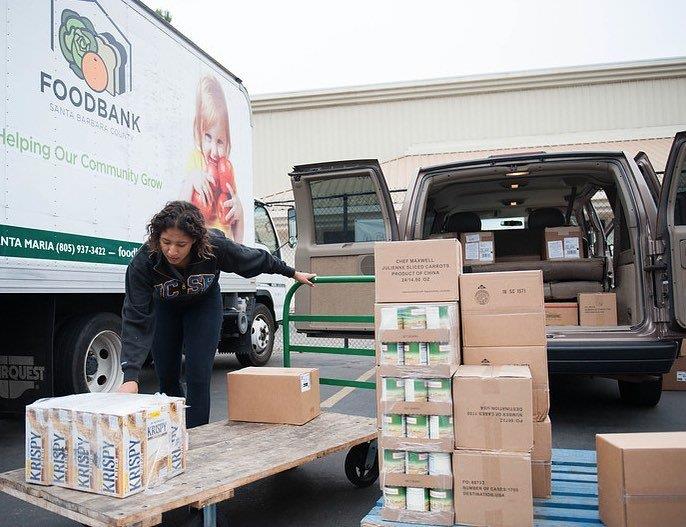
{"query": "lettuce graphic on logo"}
[(97, 58)]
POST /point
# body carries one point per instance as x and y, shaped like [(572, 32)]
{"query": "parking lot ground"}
[(318, 494)]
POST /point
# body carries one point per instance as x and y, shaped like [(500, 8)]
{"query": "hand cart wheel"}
[(362, 464)]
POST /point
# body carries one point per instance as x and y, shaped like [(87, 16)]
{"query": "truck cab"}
[(633, 235)]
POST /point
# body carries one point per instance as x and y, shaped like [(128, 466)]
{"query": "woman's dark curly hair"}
[(186, 217)]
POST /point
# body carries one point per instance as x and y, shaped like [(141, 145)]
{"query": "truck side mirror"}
[(292, 228)]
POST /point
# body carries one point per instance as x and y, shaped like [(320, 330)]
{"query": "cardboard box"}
[(416, 480), (561, 314), (274, 395), (676, 378), (493, 489), (416, 271), (543, 441), (502, 309), (541, 479), (641, 479), (493, 408), (535, 357), (563, 243), (478, 248), (597, 309)]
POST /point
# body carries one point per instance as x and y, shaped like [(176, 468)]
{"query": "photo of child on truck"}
[(210, 184)]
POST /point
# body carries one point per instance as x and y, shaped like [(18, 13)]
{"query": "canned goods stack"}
[(417, 353)]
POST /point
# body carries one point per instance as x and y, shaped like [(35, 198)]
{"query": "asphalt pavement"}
[(318, 493)]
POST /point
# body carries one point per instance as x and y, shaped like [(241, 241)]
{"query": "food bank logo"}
[(98, 53)]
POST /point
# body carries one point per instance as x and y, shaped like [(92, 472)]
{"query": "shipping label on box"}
[(561, 314), (414, 271), (493, 408), (563, 243), (492, 488), (597, 309), (478, 247)]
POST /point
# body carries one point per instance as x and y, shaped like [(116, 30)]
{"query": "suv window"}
[(680, 203), (264, 231), (346, 210)]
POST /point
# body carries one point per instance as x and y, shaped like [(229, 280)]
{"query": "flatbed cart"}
[(226, 455), (574, 502), (222, 457)]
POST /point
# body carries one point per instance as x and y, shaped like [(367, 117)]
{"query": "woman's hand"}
[(128, 387), (304, 278)]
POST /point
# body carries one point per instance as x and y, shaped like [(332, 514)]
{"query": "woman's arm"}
[(137, 322)]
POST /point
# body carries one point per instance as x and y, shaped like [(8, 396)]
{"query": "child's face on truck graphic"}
[(176, 246), (214, 146)]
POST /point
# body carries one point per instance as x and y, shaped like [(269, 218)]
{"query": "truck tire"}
[(261, 345), (88, 354), (645, 393)]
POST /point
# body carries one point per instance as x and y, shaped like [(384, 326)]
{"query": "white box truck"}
[(107, 115)]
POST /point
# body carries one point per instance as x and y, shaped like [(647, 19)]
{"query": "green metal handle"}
[(347, 319)]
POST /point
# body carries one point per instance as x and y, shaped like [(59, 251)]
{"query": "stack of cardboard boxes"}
[(503, 322), (111, 444), (417, 351), (493, 441), (459, 442)]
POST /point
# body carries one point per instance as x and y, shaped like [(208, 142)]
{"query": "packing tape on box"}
[(491, 470), (493, 435)]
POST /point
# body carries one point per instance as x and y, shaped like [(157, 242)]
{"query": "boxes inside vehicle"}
[(417, 271), (641, 479), (597, 309), (478, 247), (273, 395), (563, 243), (561, 314), (110, 444)]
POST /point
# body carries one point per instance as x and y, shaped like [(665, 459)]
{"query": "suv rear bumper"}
[(612, 358)]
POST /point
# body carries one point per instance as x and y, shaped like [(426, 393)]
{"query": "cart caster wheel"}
[(355, 466)]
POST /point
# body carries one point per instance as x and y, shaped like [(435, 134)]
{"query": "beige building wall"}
[(632, 106)]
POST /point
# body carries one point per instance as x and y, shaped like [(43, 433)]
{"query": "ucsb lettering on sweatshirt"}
[(151, 278)]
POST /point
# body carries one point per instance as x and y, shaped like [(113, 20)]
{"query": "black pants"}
[(194, 329)]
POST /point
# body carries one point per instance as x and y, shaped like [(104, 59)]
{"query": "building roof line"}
[(523, 80)]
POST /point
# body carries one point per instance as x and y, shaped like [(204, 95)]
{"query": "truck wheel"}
[(646, 393), (262, 333), (88, 354)]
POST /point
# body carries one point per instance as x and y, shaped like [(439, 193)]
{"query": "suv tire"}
[(646, 393)]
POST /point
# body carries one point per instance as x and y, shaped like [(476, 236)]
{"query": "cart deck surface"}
[(222, 456), (574, 502)]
